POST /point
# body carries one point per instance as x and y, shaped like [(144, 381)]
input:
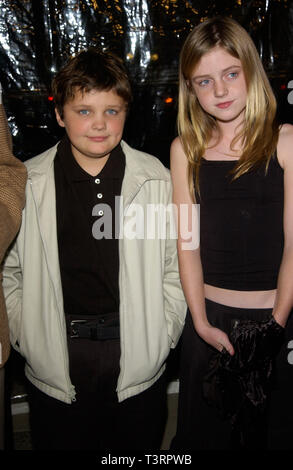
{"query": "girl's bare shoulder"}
[(176, 145), (286, 130), (285, 145)]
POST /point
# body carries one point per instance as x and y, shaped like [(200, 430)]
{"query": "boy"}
[(93, 315)]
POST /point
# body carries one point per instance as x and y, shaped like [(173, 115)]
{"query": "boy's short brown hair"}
[(91, 69)]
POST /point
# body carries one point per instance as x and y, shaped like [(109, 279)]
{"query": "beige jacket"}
[(12, 186), (152, 304)]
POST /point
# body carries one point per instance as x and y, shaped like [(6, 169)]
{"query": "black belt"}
[(94, 329)]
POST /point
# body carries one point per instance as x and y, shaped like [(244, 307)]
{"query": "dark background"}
[(37, 37)]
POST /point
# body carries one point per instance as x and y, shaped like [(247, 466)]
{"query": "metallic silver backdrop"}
[(37, 37)]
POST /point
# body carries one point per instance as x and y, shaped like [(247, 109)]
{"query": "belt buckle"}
[(73, 332)]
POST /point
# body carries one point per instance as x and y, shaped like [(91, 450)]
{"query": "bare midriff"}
[(241, 299)]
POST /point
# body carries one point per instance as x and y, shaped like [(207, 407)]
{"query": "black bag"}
[(238, 386)]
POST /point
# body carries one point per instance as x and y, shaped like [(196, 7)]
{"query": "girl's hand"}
[(280, 320), (215, 337)]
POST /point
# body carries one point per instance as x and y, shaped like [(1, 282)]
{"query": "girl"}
[(232, 159)]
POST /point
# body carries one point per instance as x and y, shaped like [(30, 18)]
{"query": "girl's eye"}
[(233, 74), (204, 82), (83, 112)]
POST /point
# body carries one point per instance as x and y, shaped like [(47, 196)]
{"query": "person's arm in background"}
[(13, 177)]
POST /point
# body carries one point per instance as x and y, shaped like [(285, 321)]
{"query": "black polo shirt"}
[(89, 267)]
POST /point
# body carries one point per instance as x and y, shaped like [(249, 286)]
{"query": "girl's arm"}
[(284, 298), (189, 256)]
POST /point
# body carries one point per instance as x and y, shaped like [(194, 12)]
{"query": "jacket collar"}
[(138, 164), (138, 169)]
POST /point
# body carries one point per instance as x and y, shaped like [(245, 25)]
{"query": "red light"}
[(168, 100), (283, 87), (50, 98)]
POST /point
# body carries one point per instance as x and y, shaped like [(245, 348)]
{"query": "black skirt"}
[(201, 426)]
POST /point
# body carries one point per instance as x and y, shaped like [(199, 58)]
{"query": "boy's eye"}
[(83, 112), (112, 112)]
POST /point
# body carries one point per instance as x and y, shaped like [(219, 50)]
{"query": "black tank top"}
[(241, 225)]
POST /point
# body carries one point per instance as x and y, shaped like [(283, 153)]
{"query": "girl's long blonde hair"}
[(259, 132)]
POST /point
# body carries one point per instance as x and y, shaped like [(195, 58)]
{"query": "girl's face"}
[(219, 84)]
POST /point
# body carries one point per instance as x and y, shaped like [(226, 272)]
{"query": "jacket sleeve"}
[(12, 187), (12, 287), (175, 304)]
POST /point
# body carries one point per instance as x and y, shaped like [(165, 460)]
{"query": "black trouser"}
[(199, 426), (96, 421)]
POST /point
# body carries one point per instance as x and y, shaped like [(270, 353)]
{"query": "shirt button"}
[(99, 195), (101, 213), (97, 180)]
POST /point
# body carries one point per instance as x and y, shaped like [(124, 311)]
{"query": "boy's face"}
[(94, 123)]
